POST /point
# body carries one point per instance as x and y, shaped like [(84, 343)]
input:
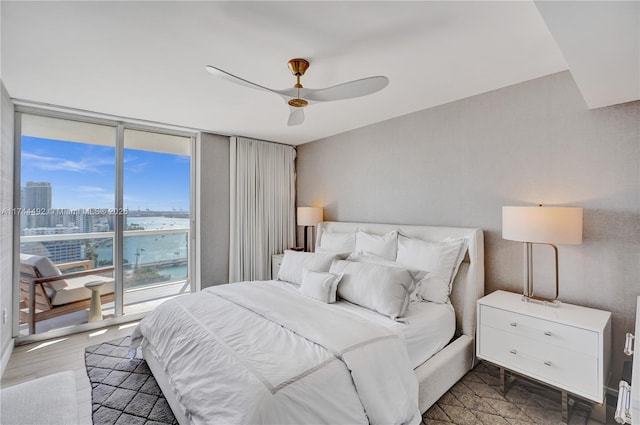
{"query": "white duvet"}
[(261, 353)]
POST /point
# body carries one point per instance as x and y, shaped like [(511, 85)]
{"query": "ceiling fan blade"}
[(296, 116), (234, 79), (348, 90)]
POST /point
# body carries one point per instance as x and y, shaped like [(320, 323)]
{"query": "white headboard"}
[(468, 285)]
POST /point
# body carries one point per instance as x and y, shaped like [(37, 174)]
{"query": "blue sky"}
[(83, 175)]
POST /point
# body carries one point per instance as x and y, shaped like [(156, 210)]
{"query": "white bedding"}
[(260, 352), (426, 328)]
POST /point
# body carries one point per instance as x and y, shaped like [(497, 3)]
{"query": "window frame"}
[(120, 124)]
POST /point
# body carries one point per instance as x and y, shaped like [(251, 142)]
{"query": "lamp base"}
[(541, 300)]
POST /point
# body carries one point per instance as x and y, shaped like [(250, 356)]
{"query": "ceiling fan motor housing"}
[(298, 66)]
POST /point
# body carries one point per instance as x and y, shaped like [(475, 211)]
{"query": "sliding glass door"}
[(97, 193), (156, 248)]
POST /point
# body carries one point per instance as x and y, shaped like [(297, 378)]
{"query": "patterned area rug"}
[(123, 390), (476, 399)]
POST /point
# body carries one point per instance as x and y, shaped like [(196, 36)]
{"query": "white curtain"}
[(262, 215)]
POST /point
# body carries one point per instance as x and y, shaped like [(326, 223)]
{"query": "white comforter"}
[(259, 352)]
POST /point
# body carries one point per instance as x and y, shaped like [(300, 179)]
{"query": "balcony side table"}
[(95, 309)]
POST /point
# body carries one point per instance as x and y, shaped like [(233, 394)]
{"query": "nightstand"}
[(276, 260), (567, 347)]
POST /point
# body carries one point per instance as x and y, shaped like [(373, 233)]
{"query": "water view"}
[(166, 254)]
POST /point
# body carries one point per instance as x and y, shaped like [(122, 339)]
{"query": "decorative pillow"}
[(441, 259), (340, 255), (432, 288), (380, 288), (385, 246), (337, 242), (372, 258), (320, 286), (295, 262)]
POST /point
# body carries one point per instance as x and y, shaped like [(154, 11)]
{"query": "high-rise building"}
[(36, 199), (62, 251)]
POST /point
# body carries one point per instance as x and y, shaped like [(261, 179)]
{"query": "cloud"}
[(51, 163), (133, 166)]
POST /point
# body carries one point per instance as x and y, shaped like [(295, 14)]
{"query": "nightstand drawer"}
[(540, 330), (567, 369)]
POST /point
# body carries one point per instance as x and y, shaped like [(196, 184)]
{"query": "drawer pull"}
[(547, 333), (547, 363), (623, 416), (513, 352), (514, 324), (628, 344)]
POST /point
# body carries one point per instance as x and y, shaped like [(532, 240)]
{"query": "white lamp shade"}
[(555, 225), (309, 216)]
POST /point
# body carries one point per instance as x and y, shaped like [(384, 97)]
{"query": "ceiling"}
[(145, 60)]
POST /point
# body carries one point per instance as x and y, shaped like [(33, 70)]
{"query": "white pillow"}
[(380, 288), (341, 255), (441, 259), (372, 258), (337, 242), (320, 286), (385, 246), (295, 262), (432, 288)]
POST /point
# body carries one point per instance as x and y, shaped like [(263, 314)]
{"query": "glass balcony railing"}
[(155, 267), (150, 257), (155, 256)]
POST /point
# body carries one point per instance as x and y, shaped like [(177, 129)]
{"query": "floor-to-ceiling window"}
[(156, 248), (100, 193)]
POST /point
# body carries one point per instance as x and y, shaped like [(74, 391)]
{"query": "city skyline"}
[(82, 175)]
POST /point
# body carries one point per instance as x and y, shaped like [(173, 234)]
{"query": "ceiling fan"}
[(297, 97)]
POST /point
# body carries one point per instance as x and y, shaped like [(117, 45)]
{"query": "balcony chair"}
[(46, 292)]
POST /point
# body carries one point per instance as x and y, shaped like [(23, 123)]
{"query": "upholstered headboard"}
[(468, 285)]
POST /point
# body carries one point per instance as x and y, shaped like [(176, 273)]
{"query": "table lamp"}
[(541, 225), (308, 217)]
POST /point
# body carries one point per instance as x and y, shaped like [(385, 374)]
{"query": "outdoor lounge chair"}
[(47, 293)]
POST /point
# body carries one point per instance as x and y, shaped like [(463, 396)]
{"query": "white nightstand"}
[(567, 347), (276, 260)]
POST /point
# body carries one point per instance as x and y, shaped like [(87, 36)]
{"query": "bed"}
[(296, 325)]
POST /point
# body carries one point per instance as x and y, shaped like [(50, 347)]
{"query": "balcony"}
[(155, 267)]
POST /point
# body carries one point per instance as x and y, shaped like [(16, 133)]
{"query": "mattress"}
[(426, 329)]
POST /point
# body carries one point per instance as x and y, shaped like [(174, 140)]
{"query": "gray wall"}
[(458, 164), (6, 224), (214, 209)]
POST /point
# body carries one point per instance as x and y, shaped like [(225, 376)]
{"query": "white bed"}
[(442, 369), (426, 328)]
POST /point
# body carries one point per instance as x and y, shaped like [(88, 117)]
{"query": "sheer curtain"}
[(262, 215)]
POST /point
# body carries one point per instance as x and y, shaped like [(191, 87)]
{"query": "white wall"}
[(459, 163), (6, 226)]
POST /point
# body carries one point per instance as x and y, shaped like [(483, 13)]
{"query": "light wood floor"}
[(40, 359)]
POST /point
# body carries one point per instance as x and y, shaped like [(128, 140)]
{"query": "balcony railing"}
[(150, 257)]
